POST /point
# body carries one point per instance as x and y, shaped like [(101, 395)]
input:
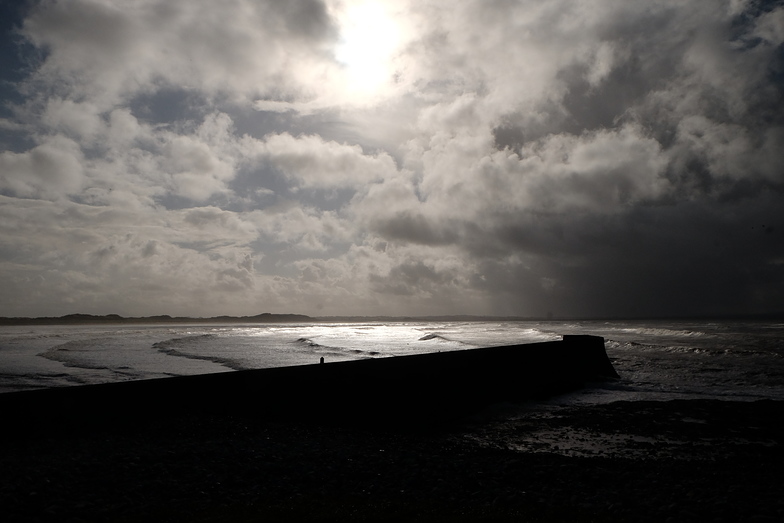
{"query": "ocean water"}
[(658, 360)]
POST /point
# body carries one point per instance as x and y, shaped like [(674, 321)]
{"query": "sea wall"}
[(424, 387)]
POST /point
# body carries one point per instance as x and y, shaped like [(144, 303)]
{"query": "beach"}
[(702, 460)]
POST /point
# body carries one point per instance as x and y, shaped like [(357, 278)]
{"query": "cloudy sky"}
[(400, 157)]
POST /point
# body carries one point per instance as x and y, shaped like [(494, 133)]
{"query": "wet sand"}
[(641, 461)]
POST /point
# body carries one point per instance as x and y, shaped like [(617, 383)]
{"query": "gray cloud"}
[(110, 51)]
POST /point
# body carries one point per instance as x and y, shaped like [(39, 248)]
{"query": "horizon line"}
[(267, 317)]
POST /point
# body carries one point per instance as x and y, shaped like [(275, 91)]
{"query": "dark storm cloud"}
[(689, 258), (408, 227), (413, 278)]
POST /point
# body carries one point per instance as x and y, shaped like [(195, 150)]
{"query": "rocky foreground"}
[(674, 461)]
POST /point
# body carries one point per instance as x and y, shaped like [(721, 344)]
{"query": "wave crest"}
[(168, 347), (433, 336)]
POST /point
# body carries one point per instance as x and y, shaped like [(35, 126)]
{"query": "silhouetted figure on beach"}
[(322, 359)]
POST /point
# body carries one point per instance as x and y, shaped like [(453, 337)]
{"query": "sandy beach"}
[(645, 461)]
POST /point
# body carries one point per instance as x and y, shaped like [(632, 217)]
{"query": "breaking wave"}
[(335, 351), (433, 336), (360, 351), (175, 346), (310, 343), (88, 355), (660, 331)]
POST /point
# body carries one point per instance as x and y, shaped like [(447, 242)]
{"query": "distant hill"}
[(83, 319), (455, 318)]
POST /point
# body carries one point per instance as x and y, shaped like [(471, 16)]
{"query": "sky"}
[(573, 158)]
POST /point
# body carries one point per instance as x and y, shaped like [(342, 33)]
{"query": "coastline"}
[(231, 467)]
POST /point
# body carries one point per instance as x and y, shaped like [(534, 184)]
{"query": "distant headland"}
[(81, 319), (266, 317)]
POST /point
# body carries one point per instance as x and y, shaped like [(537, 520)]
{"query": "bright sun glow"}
[(369, 39)]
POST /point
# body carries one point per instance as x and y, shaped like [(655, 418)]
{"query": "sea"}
[(656, 359)]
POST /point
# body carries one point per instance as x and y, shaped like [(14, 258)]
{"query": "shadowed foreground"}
[(229, 468), (223, 448)]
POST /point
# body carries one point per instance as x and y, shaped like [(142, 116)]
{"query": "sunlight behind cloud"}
[(370, 38)]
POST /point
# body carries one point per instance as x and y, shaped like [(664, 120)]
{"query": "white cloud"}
[(50, 170), (80, 120), (312, 162), (308, 229), (600, 172)]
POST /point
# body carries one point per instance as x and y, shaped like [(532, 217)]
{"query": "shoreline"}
[(241, 468)]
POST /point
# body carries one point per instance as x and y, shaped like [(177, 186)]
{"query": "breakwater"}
[(419, 388)]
